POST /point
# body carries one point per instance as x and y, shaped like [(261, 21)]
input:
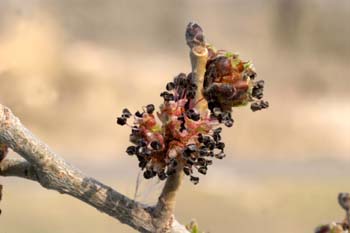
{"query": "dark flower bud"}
[(142, 164), (200, 138), (194, 180), (170, 86), (191, 95), (220, 155), (167, 96), (227, 119), (156, 145), (181, 118), (182, 127), (149, 174), (121, 120), (259, 105), (131, 150), (126, 113), (190, 161), (255, 106), (203, 151), (216, 137), (323, 229), (140, 151), (162, 175), (257, 93), (192, 114), (209, 162), (180, 80), (229, 123), (139, 114), (264, 104), (150, 108), (186, 153), (227, 91), (218, 130), (260, 84), (135, 130), (191, 148), (196, 117), (206, 140), (202, 170), (220, 145), (147, 152), (142, 142), (211, 145), (201, 162), (223, 66), (187, 170), (173, 163), (217, 111), (194, 35), (251, 74)]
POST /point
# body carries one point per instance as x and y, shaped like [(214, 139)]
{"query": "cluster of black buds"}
[(199, 155), (180, 139), (183, 87), (230, 82), (184, 137), (259, 105)]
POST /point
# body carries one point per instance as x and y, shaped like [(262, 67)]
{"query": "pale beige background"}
[(67, 68)]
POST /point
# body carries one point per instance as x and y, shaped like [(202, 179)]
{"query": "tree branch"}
[(19, 168), (41, 164)]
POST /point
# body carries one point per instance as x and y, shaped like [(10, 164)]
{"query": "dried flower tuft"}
[(178, 137), (230, 82)]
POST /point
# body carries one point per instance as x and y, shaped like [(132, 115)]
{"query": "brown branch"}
[(164, 209), (19, 168), (52, 172), (199, 56)]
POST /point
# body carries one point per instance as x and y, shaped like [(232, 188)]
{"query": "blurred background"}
[(67, 68)]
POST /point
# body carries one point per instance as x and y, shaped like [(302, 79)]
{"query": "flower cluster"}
[(179, 137), (230, 82)]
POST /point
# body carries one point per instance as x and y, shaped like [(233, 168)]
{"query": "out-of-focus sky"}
[(67, 68)]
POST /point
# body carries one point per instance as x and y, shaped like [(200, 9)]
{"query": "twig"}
[(164, 210), (19, 168), (198, 54)]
